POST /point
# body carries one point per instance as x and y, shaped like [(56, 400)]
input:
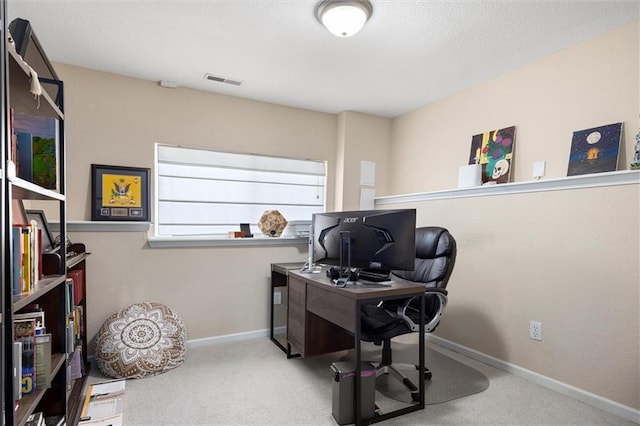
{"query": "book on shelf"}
[(16, 242), (27, 258), (24, 330), (75, 369), (77, 275), (70, 335), (17, 369), (43, 361), (38, 253), (78, 322), (68, 296)]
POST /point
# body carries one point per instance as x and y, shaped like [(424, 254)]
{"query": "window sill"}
[(179, 241), (208, 241)]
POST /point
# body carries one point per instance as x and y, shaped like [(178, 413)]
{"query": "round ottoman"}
[(141, 340)]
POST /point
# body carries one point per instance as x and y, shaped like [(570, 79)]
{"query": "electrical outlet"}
[(277, 298), (535, 330)]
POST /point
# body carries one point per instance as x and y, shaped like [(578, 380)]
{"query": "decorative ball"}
[(141, 340), (272, 223)]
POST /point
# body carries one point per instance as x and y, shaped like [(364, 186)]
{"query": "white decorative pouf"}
[(141, 340)]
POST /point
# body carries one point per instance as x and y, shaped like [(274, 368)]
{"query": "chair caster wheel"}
[(427, 373)]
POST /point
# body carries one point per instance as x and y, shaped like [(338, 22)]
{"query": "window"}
[(203, 192)]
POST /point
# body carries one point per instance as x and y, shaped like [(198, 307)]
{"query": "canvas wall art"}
[(595, 150), (494, 152), (37, 145)]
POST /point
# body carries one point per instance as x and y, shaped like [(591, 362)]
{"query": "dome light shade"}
[(343, 18)]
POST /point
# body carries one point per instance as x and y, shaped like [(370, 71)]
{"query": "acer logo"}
[(350, 220)]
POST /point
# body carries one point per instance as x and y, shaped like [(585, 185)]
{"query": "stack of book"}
[(26, 240), (103, 404), (32, 352)]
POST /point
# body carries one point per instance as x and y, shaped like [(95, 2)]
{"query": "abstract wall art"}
[(494, 152)]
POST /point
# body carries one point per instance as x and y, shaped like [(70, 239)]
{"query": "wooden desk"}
[(324, 318)]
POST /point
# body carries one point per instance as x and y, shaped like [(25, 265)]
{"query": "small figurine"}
[(635, 165)]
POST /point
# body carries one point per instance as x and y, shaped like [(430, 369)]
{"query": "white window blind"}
[(204, 192)]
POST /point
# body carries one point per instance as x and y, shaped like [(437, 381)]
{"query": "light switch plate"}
[(538, 169)]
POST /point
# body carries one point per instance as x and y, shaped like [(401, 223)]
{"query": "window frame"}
[(220, 240)]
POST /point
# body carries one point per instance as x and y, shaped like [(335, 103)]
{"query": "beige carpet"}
[(252, 382)]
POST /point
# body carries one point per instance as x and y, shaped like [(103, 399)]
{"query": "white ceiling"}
[(408, 54)]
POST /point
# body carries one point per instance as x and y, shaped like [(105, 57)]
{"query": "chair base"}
[(389, 369), (386, 367)]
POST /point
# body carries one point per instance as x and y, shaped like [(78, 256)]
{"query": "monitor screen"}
[(368, 239)]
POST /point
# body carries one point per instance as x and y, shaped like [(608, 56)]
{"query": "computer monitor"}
[(372, 240)]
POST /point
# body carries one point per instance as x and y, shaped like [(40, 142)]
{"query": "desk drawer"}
[(331, 306)]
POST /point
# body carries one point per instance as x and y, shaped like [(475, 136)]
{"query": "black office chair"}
[(435, 257)]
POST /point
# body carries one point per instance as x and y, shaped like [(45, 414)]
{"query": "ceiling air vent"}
[(222, 79)]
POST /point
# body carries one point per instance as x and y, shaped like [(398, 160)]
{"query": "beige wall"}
[(116, 120), (588, 85), (569, 259), (112, 119), (361, 137)]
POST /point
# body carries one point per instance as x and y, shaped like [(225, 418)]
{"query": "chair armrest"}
[(402, 310), (441, 294)]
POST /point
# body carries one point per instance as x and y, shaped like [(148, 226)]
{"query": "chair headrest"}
[(432, 242), (436, 253)]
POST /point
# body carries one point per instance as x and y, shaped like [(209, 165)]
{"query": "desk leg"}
[(357, 383), (421, 351)]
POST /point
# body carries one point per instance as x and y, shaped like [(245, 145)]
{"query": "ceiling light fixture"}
[(343, 18)]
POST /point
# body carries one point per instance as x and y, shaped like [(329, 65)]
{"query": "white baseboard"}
[(207, 341), (227, 338), (581, 395)]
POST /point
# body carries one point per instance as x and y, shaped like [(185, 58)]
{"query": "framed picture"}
[(119, 193), (41, 220)]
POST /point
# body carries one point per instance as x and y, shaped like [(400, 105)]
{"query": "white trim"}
[(208, 241), (214, 340), (626, 177), (92, 226), (581, 395)]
